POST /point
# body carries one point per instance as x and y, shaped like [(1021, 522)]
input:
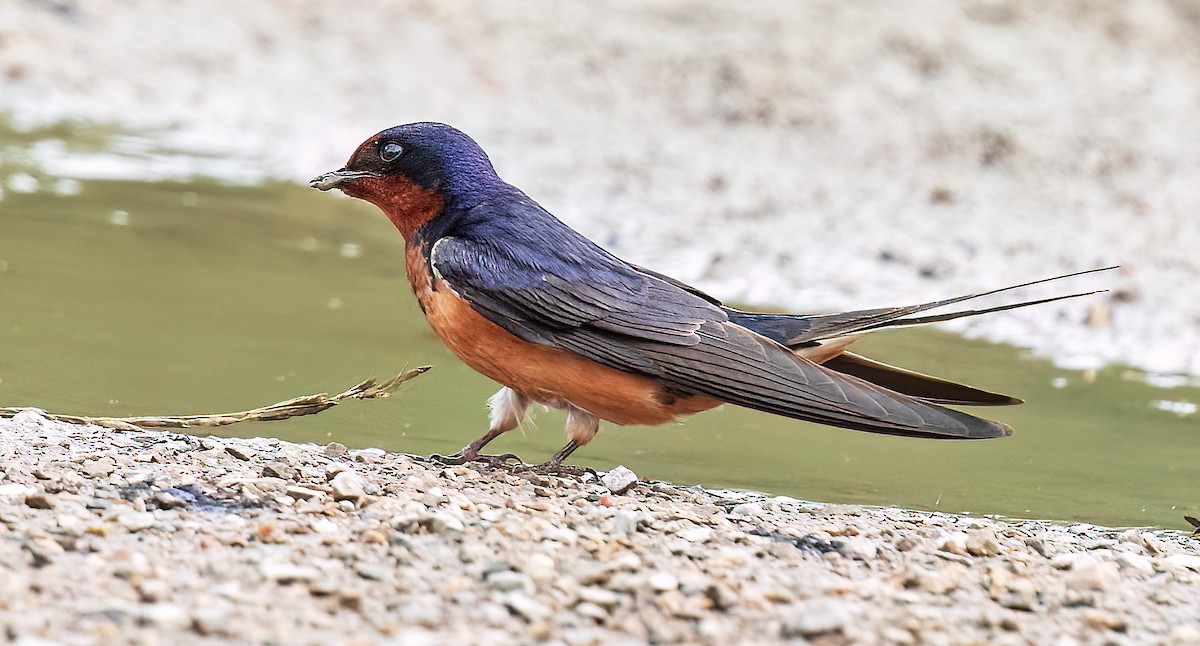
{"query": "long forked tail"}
[(799, 330)]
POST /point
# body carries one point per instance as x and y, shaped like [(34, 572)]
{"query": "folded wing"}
[(583, 300)]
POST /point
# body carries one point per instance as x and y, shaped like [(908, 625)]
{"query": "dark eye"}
[(390, 151)]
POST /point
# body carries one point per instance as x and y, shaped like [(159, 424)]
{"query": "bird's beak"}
[(337, 178)]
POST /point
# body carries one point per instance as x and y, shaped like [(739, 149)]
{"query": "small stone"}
[(663, 581), (526, 607), (860, 548), (1135, 563), (812, 619), (1039, 546), (1023, 601), (303, 493), (625, 523), (172, 499), (324, 526), (368, 455), (165, 615), (591, 610), (540, 567), (1091, 572), (374, 537), (1065, 560), (434, 523), (16, 490), (509, 581), (40, 501), (238, 452), (747, 509), (955, 544), (619, 480), (100, 467), (982, 542), (1181, 561), (601, 597), (211, 622), (373, 571), (348, 485), (136, 521), (1184, 634), (1104, 621), (44, 550), (696, 534), (938, 580), (153, 590), (132, 566), (282, 470), (285, 572), (335, 449)]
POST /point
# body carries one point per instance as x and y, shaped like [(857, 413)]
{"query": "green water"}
[(167, 298)]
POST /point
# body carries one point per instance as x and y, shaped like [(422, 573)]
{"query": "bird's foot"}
[(496, 461)]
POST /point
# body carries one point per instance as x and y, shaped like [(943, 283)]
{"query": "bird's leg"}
[(508, 409), (581, 428)]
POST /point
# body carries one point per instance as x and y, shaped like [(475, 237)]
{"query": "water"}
[(132, 298)]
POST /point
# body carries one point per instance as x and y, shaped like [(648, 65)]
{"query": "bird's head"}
[(412, 172)]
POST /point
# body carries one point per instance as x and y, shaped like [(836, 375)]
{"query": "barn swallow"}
[(557, 320)]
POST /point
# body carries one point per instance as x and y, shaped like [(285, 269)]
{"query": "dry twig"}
[(300, 406)]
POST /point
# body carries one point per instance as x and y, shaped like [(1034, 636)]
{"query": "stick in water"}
[(298, 407)]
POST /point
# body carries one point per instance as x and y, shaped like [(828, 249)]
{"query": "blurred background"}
[(160, 253)]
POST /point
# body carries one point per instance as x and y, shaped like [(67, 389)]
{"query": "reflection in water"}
[(127, 298)]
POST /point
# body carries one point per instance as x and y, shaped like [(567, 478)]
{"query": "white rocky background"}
[(814, 155)]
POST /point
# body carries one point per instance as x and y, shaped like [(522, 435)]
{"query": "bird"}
[(557, 320)]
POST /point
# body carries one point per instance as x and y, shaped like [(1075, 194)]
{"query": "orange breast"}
[(543, 373)]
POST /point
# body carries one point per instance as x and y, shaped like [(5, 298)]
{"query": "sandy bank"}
[(814, 155), (153, 537)]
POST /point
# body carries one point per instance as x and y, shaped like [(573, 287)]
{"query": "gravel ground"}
[(814, 155), (161, 538)]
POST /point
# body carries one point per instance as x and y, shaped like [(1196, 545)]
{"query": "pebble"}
[(282, 470), (100, 467), (663, 581), (747, 509), (619, 480), (348, 485), (982, 542), (1181, 561), (434, 523), (40, 501), (239, 452), (860, 548), (287, 572), (211, 622), (526, 606), (44, 550), (602, 597), (1135, 562), (335, 450), (324, 526), (1094, 573), (508, 581), (813, 618), (16, 490), (303, 493), (136, 521)]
